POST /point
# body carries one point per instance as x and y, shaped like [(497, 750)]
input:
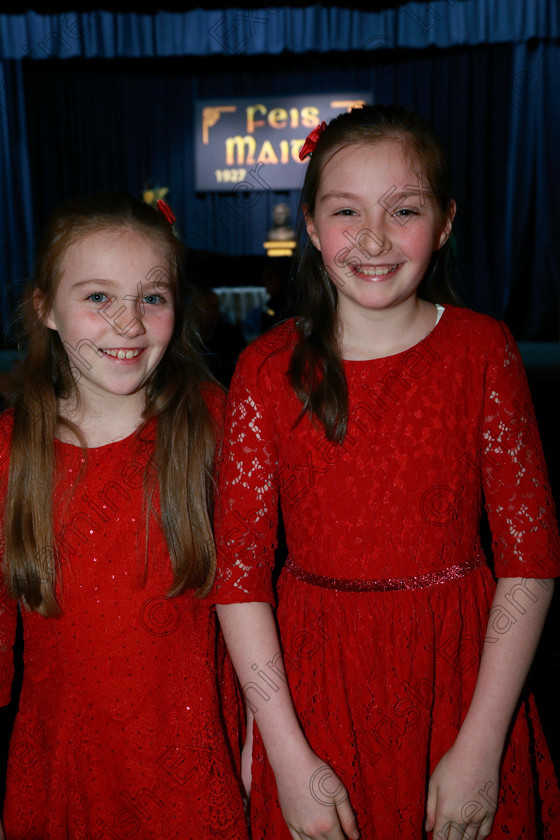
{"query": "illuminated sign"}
[(253, 143)]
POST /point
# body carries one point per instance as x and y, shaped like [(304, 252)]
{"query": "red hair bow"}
[(166, 211), (311, 141)]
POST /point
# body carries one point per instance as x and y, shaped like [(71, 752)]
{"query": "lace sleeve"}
[(247, 507), (518, 499)]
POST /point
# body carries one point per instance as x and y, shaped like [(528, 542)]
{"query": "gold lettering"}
[(210, 117), (309, 117), (284, 151), (267, 154), (238, 144), (296, 146), (349, 104), (251, 122), (278, 118)]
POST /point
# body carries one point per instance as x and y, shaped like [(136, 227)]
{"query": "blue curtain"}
[(271, 31), (81, 108), (16, 204), (531, 248)]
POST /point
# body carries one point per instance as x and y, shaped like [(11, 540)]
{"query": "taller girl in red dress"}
[(106, 487), (390, 702)]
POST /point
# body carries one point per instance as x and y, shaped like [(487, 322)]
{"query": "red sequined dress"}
[(120, 731), (384, 600)]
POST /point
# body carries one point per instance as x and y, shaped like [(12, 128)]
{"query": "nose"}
[(136, 326), (374, 239), (371, 241), (136, 310), (125, 317)]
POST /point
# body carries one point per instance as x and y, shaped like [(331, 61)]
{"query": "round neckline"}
[(105, 446), (394, 356)]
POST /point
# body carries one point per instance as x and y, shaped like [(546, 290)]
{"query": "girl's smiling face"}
[(114, 322), (376, 224)]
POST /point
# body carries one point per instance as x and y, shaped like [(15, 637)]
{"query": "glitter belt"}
[(387, 584)]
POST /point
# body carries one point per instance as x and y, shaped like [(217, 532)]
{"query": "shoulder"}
[(6, 421), (482, 348), (215, 398), (468, 319), (272, 350), (263, 366), (6, 426), (261, 373), (477, 332)]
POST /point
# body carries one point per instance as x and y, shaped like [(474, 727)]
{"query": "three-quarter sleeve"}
[(519, 503), (246, 517)]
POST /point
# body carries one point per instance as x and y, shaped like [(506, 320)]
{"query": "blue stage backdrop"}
[(107, 99)]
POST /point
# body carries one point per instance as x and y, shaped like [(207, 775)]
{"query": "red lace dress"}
[(384, 600), (120, 731)]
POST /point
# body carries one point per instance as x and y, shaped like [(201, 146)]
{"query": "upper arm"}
[(519, 501), (246, 517)]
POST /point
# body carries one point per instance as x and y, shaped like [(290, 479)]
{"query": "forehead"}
[(367, 164), (113, 253)]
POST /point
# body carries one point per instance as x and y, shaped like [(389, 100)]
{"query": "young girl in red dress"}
[(388, 688), (126, 722)]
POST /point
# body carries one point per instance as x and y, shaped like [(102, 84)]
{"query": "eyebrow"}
[(145, 285), (98, 281), (401, 194), (408, 193), (338, 195)]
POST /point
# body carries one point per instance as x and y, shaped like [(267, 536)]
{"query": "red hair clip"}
[(166, 211), (311, 141)]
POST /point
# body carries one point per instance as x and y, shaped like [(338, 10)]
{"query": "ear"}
[(446, 230), (311, 227), (40, 308)]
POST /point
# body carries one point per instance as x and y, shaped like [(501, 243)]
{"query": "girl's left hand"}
[(462, 796)]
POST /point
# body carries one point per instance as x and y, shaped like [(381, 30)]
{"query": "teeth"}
[(122, 354), (377, 272)]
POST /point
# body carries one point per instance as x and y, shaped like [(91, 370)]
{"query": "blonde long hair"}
[(186, 434)]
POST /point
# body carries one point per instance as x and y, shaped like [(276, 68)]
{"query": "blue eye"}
[(153, 299), (98, 297), (406, 212)]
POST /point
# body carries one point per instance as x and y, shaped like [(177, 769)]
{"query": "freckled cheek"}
[(333, 240), (338, 231), (84, 324), (416, 241), (162, 326), (98, 316)]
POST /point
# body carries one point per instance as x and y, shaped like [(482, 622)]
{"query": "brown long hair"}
[(185, 438), (316, 371)]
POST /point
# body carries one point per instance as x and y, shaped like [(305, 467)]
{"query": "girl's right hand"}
[(314, 802)]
